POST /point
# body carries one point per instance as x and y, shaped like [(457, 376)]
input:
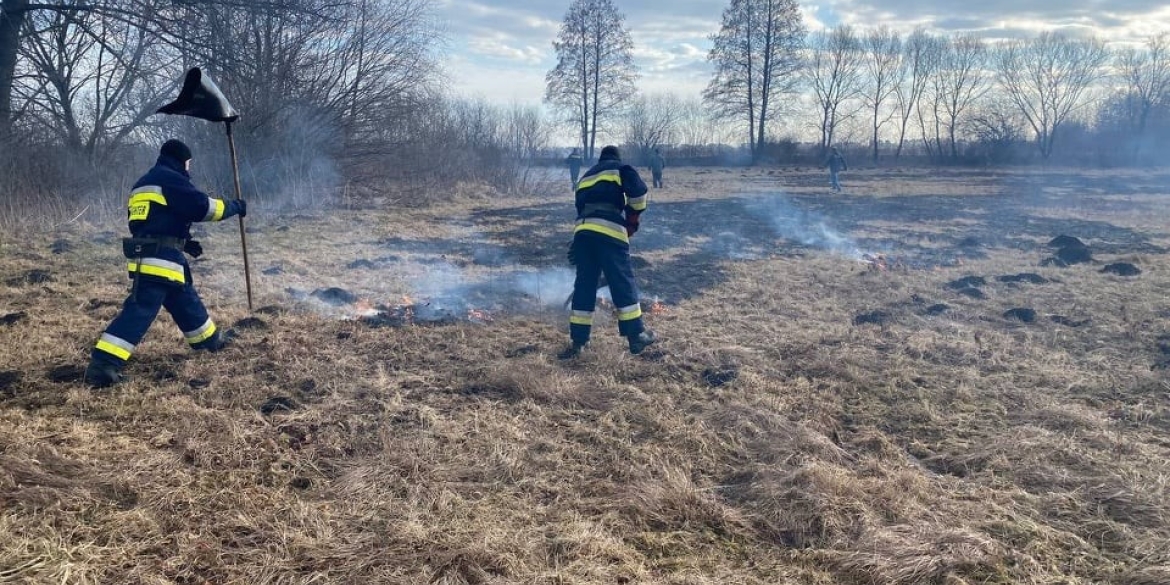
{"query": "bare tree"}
[(834, 72), (757, 56), (919, 62), (1048, 78), (1146, 75), (595, 70), (883, 63), (652, 120), (961, 79), (92, 81)]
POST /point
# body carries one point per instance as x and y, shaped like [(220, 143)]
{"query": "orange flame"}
[(657, 307)]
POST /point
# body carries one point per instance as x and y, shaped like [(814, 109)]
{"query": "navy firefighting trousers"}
[(181, 300), (596, 254)]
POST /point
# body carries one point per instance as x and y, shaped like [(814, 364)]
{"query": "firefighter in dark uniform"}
[(610, 198), (163, 204), (574, 162)]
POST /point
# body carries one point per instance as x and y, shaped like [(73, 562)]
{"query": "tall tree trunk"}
[(12, 14)]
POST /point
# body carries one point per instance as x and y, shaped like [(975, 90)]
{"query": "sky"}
[(501, 50)]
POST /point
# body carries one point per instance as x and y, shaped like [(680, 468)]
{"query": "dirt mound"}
[(272, 271), (1068, 321), (66, 374), (250, 323), (878, 317), (970, 242), (967, 282), (13, 318), (278, 404), (36, 276), (8, 381), (1074, 255), (334, 296), (1063, 241), (1122, 269), (938, 309), (1028, 277), (716, 377), (1020, 314), (61, 246), (973, 293)]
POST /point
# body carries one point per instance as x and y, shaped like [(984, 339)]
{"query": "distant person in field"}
[(610, 200), (163, 205), (574, 162), (836, 164), (657, 163)]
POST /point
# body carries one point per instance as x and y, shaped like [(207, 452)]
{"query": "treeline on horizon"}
[(340, 98)]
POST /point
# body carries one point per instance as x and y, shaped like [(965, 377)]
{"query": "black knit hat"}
[(610, 153), (176, 150)]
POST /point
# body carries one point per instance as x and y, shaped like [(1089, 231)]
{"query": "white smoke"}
[(803, 226)]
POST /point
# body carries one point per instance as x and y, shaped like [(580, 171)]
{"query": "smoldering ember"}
[(280, 305)]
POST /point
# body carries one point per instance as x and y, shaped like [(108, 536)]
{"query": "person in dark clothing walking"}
[(836, 164), (610, 200), (574, 162), (163, 204), (657, 163)]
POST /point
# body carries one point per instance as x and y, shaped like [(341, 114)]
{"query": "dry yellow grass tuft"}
[(809, 417)]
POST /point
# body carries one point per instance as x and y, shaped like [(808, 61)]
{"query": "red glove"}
[(632, 222)]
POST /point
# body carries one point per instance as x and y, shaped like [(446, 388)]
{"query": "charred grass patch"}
[(774, 437)]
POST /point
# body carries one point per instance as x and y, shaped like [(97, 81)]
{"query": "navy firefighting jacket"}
[(610, 196), (163, 204)]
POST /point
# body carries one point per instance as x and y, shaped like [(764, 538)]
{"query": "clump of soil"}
[(878, 317), (970, 242), (61, 246), (1063, 241), (967, 282), (66, 374), (334, 296), (1074, 255), (716, 377), (1122, 269), (8, 381), (1021, 314), (973, 292), (272, 271), (251, 323), (1028, 277), (1069, 322), (270, 310), (36, 276), (278, 404), (362, 263), (198, 383), (13, 318), (938, 308)]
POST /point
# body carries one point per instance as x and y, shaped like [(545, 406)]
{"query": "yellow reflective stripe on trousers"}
[(602, 226), (581, 318), (214, 209), (630, 313), (203, 333), (591, 180), (159, 267), (115, 346), (637, 203)]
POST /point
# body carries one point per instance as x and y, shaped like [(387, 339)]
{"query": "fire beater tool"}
[(201, 98)]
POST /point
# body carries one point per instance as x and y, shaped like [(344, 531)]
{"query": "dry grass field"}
[(827, 406)]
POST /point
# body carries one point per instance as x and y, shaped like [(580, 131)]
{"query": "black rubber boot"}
[(572, 351), (102, 375), (641, 341), (217, 341)]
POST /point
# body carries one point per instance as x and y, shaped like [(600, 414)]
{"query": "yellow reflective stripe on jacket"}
[(581, 318), (214, 209), (614, 176), (637, 203), (138, 208), (630, 313), (115, 346), (203, 333), (609, 228), (159, 267)]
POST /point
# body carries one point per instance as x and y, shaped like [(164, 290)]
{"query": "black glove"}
[(193, 248), (243, 207), (633, 222), (571, 255)]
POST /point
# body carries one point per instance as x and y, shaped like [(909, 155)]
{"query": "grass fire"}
[(895, 385)]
